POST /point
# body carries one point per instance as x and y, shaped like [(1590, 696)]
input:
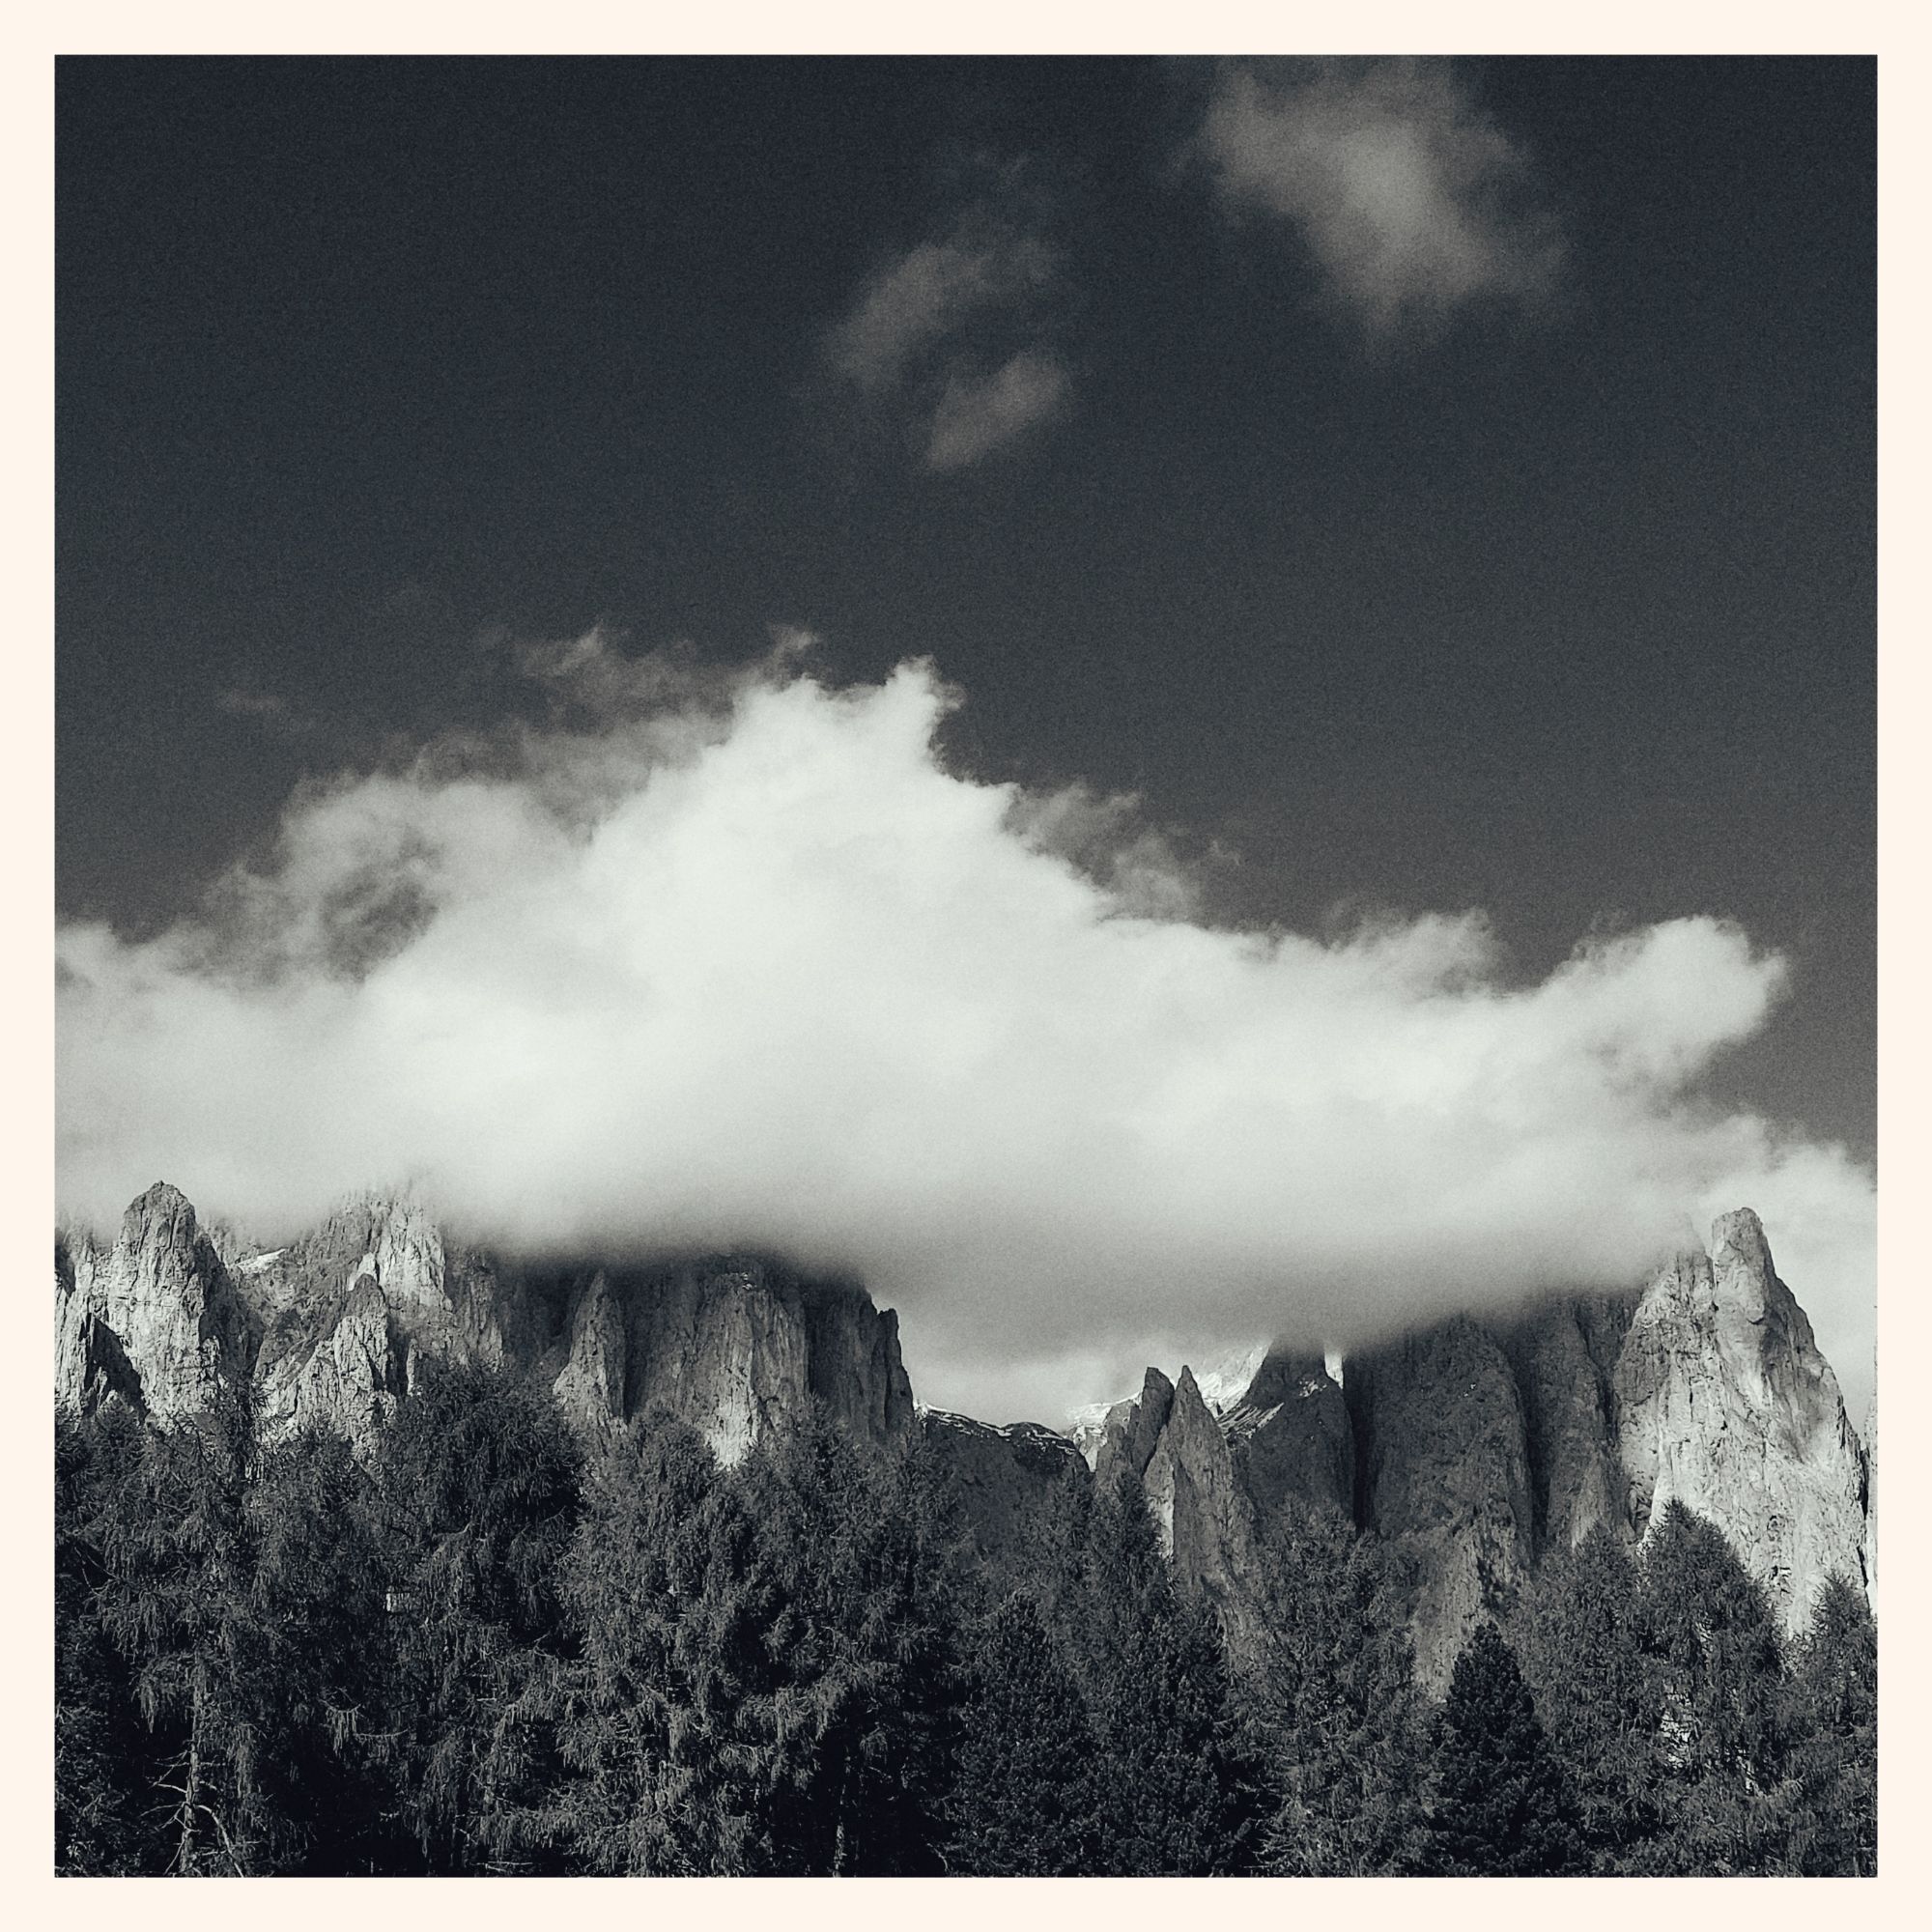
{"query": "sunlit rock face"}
[(1445, 1478), (1723, 1402), (89, 1362), (174, 1328), (337, 1329), (1871, 1494)]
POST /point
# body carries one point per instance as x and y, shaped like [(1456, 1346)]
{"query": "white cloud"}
[(1412, 202), (977, 414), (741, 963), (948, 341)]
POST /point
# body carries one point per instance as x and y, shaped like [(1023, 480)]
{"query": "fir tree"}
[(1026, 1801), (1832, 1718), (1342, 1723), (1178, 1794), (477, 1494), (853, 1555), (671, 1639), (1716, 1659), (1499, 1805), (1581, 1637), (97, 1735)]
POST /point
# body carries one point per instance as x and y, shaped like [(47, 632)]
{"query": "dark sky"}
[(1554, 597)]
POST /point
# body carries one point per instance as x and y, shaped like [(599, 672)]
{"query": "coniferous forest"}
[(491, 1650)]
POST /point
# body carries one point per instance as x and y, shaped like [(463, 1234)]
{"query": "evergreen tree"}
[(1343, 1722), (477, 1495), (97, 1735), (1833, 1721), (670, 1640), (1716, 1659), (1498, 1805), (1581, 1637), (317, 1594), (1178, 1794), (851, 1579), (178, 1551), (1026, 1801)]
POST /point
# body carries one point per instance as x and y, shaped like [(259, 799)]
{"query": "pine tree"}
[(317, 1594), (1718, 1664), (1026, 1801), (1179, 1791), (671, 1641), (178, 1548), (1498, 1804), (1343, 1722), (1581, 1637), (851, 1571), (97, 1735), (477, 1495), (1832, 1719)]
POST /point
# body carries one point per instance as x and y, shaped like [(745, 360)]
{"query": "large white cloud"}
[(746, 965)]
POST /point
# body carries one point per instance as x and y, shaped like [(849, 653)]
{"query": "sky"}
[(1151, 702)]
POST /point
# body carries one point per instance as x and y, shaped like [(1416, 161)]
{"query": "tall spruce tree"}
[(1498, 1804), (1581, 1637), (853, 1552), (98, 1739), (477, 1496), (1342, 1721), (1179, 1790), (666, 1775), (317, 1594), (1717, 1654), (1026, 1795), (1833, 1722)]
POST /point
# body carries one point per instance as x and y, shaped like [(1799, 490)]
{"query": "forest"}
[(492, 1649)]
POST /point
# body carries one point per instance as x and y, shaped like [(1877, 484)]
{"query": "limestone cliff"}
[(157, 1318), (1564, 1358), (1444, 1478), (334, 1330), (1206, 1525), (1290, 1436), (1015, 1486), (1725, 1403)]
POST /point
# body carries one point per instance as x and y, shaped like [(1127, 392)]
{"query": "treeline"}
[(493, 1652)]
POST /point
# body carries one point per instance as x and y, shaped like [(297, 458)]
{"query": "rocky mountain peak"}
[(1725, 1403)]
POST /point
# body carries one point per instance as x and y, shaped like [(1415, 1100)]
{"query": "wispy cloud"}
[(725, 960), (1414, 203), (948, 342), (977, 412), (240, 702)]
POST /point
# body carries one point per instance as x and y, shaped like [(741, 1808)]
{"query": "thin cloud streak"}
[(948, 343), (738, 962)]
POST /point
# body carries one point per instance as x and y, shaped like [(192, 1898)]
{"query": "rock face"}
[(155, 1320), (1564, 1359), (334, 1331), (1474, 1449), (1871, 1496), (1015, 1487), (1725, 1403), (1206, 1520), (1290, 1436), (1444, 1478)]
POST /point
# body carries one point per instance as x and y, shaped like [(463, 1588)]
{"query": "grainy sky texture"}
[(1142, 697)]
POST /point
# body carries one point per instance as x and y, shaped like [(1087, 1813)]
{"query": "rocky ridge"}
[(1474, 1448)]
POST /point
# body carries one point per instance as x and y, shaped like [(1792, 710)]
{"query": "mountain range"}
[(1473, 1447)]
